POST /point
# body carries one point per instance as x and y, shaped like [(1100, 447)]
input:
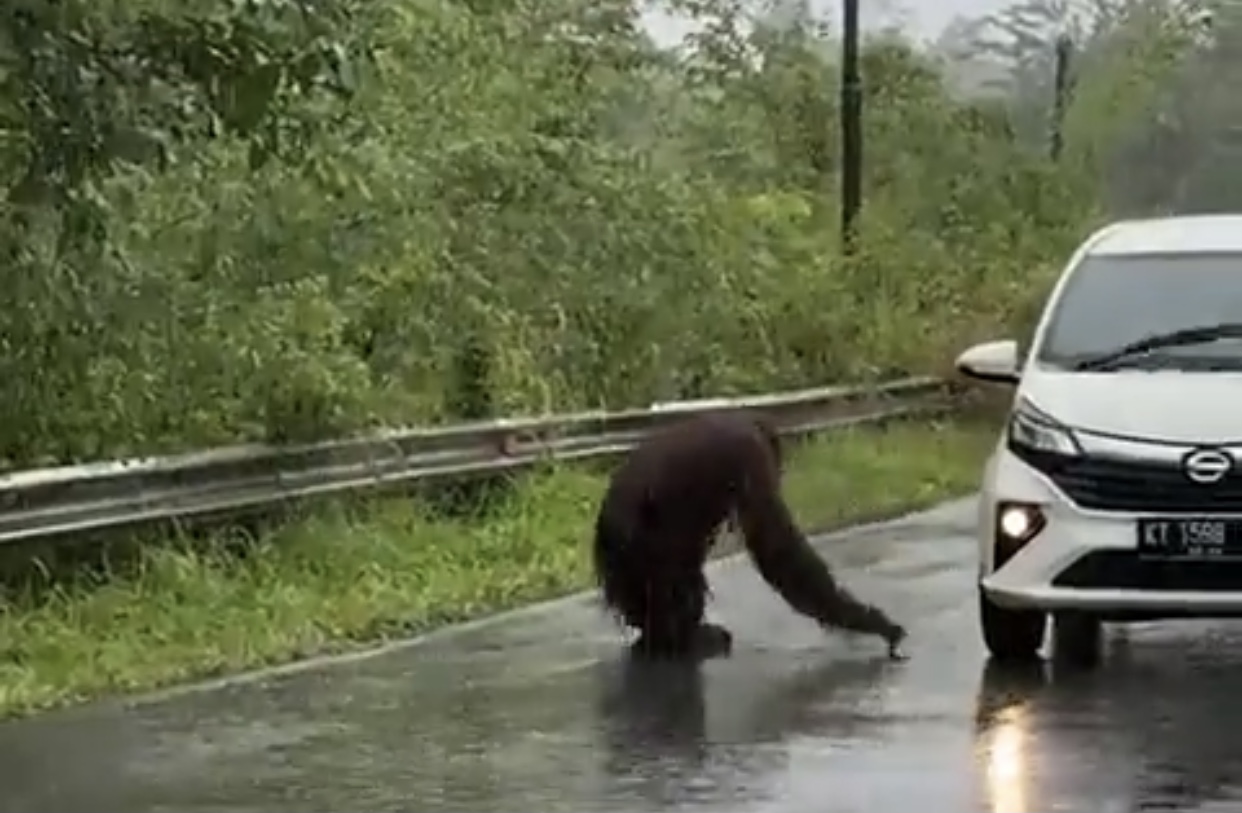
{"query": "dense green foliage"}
[(286, 219)]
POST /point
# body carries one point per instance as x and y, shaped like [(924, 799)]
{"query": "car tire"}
[(1011, 635), (1077, 639)]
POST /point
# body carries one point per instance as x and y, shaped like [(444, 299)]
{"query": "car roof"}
[(1183, 234)]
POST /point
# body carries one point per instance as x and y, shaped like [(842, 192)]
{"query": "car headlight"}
[(1034, 431)]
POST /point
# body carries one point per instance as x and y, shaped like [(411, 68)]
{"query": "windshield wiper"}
[(1158, 341)]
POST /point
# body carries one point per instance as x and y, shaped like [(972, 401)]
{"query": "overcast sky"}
[(925, 18), (929, 17)]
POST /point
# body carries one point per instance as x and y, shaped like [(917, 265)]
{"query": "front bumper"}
[(1088, 561)]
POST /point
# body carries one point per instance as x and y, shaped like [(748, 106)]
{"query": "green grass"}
[(352, 575)]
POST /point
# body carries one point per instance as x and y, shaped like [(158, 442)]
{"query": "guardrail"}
[(237, 480)]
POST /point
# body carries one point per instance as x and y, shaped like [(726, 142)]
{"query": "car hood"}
[(1182, 407)]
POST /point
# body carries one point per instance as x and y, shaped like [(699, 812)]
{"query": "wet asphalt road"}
[(541, 712)]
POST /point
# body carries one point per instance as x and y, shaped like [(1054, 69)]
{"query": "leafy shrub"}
[(414, 211)]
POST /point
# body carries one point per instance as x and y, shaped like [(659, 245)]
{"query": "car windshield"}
[(1112, 301)]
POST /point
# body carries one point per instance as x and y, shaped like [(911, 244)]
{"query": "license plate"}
[(1190, 538)]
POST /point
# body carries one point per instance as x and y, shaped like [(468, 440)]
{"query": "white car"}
[(1114, 492)]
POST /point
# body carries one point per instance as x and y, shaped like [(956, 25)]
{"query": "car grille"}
[(1113, 484), (1125, 570)]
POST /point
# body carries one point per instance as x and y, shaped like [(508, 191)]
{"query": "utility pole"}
[(1060, 98), (851, 126)]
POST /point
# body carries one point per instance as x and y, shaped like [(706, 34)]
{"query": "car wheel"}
[(1011, 635), (1077, 638)]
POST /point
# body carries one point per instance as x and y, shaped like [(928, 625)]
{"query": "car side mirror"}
[(991, 361)]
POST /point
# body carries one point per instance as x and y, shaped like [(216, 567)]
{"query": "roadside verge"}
[(350, 576)]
